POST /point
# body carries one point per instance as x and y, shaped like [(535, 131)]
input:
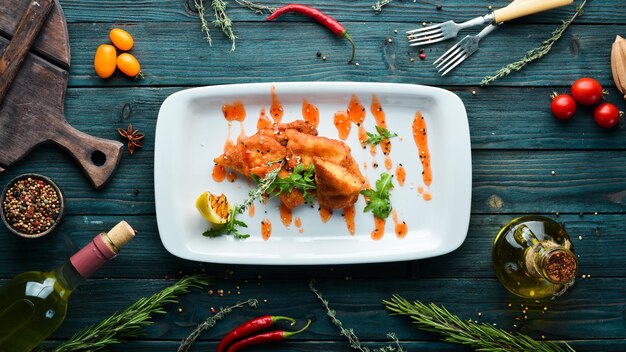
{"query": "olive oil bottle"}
[(33, 304), (533, 258)]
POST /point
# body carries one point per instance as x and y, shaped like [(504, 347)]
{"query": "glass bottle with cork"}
[(533, 258), (34, 304)]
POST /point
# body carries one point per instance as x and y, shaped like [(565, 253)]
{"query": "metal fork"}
[(450, 29), (462, 50)]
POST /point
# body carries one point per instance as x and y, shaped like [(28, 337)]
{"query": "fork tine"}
[(455, 65), (446, 53), (451, 57), (424, 34), (429, 41), (424, 29)]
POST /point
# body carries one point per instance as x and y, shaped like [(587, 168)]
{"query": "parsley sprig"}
[(231, 225), (300, 178), (379, 200), (381, 135)]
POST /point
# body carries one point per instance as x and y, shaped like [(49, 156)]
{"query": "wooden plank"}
[(504, 182), (494, 122), (168, 60), (600, 252), (612, 345), (358, 304), (609, 11)]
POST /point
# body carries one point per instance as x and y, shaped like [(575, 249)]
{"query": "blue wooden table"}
[(524, 162)]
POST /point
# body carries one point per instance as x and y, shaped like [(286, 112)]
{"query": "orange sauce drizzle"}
[(356, 111), (310, 113), (348, 214), (325, 214), (266, 229), (234, 111), (276, 110), (251, 210), (373, 150), (421, 141), (388, 163), (401, 228), (231, 176), (379, 230), (219, 173), (420, 189), (342, 122), (400, 174), (285, 215), (377, 111), (427, 196), (263, 121), (298, 222), (363, 136)]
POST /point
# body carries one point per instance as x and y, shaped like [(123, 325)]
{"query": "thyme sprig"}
[(129, 323), (258, 8), (223, 21), (349, 334), (210, 322), (381, 134), (205, 25), (482, 337), (536, 53), (231, 225)]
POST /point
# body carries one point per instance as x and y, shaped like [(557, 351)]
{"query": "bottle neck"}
[(68, 277), (85, 262)]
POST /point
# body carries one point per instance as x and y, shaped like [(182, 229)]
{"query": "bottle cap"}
[(560, 266)]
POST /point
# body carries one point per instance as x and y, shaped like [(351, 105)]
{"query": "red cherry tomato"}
[(606, 115), (563, 107), (587, 91)]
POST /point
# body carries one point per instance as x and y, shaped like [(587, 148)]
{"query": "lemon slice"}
[(213, 208)]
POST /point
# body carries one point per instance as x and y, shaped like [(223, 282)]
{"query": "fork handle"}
[(525, 8)]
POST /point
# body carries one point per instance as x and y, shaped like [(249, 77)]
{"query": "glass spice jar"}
[(533, 258), (31, 205)]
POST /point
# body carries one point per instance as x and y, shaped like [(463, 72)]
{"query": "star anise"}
[(133, 137)]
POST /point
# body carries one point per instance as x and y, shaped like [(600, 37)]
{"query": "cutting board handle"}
[(97, 156)]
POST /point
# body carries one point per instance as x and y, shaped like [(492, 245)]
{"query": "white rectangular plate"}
[(191, 131)]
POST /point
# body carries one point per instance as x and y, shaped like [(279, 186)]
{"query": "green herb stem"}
[(223, 21), (205, 25), (482, 337), (349, 334), (536, 53), (210, 322), (382, 134), (258, 8), (378, 6), (129, 323)]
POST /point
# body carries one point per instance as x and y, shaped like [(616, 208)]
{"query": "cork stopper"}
[(117, 237)]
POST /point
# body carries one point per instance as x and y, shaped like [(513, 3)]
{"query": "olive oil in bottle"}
[(33, 304), (533, 258)]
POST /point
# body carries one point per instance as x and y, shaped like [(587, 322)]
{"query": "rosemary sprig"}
[(258, 8), (223, 21), (301, 179), (536, 53), (378, 6), (129, 323), (205, 25), (210, 322), (231, 225), (381, 134), (354, 341), (482, 337)]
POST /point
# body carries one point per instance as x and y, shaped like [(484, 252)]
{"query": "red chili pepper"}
[(320, 17), (266, 337), (250, 327)]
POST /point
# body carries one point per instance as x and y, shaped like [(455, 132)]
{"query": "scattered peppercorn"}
[(439, 7), (31, 205), (422, 56), (319, 53)]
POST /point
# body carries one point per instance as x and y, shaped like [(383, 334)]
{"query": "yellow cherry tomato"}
[(105, 60), (121, 39), (128, 64)]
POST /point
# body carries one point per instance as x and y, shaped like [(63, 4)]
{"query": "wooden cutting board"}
[(32, 111)]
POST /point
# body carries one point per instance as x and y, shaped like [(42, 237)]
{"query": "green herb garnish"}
[(230, 227), (378, 201), (300, 178), (376, 139), (482, 337)]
